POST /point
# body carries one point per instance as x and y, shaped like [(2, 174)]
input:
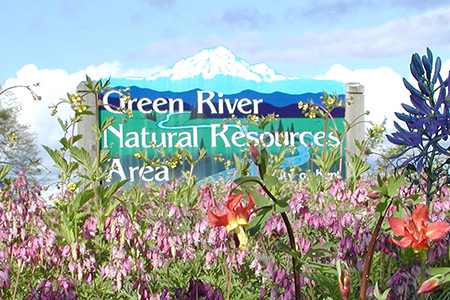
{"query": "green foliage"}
[(378, 295)]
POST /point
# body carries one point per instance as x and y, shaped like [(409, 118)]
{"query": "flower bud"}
[(373, 195), (429, 285), (344, 284), (254, 153)]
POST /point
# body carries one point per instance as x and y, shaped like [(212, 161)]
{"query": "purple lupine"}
[(427, 127)]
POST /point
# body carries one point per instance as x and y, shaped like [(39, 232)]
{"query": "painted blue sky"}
[(368, 41)]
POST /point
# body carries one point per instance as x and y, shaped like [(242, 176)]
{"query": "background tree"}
[(18, 144), (280, 126)]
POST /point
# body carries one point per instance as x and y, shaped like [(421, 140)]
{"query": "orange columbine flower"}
[(236, 217), (415, 230)]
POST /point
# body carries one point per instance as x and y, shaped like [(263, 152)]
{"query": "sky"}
[(56, 43)]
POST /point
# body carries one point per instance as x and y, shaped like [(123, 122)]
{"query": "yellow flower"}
[(72, 186)]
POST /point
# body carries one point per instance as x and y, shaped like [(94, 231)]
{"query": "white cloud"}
[(383, 90), (445, 69), (53, 86), (397, 38)]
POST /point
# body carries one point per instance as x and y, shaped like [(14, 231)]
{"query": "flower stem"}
[(369, 256), (290, 232), (423, 266), (19, 270), (294, 260)]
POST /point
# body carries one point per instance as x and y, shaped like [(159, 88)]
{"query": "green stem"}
[(19, 270), (228, 278), (311, 290), (382, 266), (325, 149), (423, 265)]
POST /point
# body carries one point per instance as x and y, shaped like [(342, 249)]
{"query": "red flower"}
[(235, 218), (415, 230), (429, 285)]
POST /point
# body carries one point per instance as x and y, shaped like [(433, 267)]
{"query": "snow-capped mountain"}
[(209, 63), (218, 69)]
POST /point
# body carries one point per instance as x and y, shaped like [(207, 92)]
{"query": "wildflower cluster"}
[(312, 110), (77, 103), (132, 248), (309, 109)]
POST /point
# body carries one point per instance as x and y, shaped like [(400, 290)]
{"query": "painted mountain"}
[(218, 69)]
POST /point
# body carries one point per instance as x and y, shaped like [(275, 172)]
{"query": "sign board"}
[(185, 106)]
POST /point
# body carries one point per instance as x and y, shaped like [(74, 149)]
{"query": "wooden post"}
[(89, 140), (354, 92)]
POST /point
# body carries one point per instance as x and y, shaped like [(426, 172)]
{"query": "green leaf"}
[(106, 123), (82, 156), (67, 143), (381, 206), (71, 167), (258, 222), (54, 154), (377, 294), (320, 250), (64, 124), (286, 249), (66, 232), (104, 157), (100, 192), (270, 181), (237, 161), (438, 271), (357, 165), (415, 198), (87, 112), (113, 188), (281, 206), (394, 183), (81, 198), (446, 278), (260, 200), (320, 267), (59, 160), (380, 181), (4, 171), (263, 161), (110, 207)]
